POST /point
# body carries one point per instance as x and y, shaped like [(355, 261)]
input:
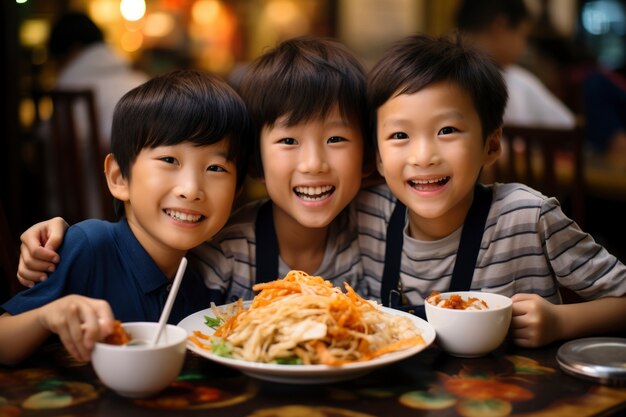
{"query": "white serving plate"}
[(306, 374)]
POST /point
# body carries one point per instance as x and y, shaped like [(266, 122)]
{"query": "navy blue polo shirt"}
[(104, 260)]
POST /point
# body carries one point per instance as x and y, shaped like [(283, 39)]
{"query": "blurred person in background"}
[(85, 61), (604, 102), (502, 27)]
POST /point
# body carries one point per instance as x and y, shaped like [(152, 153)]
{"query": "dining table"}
[(511, 381)]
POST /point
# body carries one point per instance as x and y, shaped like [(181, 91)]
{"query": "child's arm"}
[(79, 321), (38, 250), (537, 322)]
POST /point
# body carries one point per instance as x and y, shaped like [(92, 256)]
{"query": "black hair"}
[(416, 62), (180, 106), (302, 79), (73, 30), (474, 15)]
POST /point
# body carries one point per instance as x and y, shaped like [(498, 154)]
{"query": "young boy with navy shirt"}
[(307, 104), (177, 158)]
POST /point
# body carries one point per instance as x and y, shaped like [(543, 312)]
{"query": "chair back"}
[(72, 136), (548, 160)]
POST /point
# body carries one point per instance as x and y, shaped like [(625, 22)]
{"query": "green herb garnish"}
[(221, 347), (212, 322)]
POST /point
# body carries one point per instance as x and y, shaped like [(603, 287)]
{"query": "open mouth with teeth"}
[(183, 217), (314, 193), (430, 184)]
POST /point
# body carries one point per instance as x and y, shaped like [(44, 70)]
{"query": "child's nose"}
[(190, 188), (313, 160), (424, 152)]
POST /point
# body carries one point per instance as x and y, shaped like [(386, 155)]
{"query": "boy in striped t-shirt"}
[(438, 108)]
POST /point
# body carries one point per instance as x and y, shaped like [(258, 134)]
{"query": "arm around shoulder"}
[(38, 251)]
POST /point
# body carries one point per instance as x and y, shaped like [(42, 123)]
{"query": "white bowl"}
[(141, 371), (471, 333)]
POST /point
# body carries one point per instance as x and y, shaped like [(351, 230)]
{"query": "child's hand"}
[(79, 321), (535, 321), (37, 252)]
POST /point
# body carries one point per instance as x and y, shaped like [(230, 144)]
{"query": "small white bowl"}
[(471, 333), (141, 371)]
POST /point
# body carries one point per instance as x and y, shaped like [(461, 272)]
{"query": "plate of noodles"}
[(302, 330)]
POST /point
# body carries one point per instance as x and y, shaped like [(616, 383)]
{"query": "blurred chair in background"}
[(74, 175), (548, 160)]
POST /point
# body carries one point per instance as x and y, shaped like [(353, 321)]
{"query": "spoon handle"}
[(165, 314)]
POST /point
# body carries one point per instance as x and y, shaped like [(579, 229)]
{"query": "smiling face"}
[(431, 152), (312, 170), (178, 196)]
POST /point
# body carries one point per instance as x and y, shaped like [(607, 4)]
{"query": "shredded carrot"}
[(285, 315)]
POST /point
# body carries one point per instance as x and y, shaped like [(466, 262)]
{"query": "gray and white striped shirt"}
[(528, 246), (228, 261)]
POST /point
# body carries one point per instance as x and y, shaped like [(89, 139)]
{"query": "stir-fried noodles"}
[(305, 320)]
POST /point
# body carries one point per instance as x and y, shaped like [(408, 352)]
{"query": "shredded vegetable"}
[(303, 319)]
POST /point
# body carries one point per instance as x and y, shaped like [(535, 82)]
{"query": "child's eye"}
[(399, 135), (447, 130), (336, 139), (288, 141), (216, 168), (168, 159)]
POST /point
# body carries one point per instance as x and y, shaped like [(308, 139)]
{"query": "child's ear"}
[(493, 147), (118, 185)]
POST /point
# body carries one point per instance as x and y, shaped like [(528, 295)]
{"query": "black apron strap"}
[(266, 245), (471, 237), (466, 257), (393, 253)]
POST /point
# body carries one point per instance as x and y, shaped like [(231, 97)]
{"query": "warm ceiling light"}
[(205, 11), (131, 41), (158, 25), (282, 12), (133, 10), (34, 32), (104, 11)]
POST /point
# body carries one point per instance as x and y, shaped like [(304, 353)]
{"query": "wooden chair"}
[(549, 160), (77, 153)]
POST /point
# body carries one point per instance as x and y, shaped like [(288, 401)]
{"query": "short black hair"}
[(418, 61), (176, 107), (303, 78), (474, 15), (73, 30)]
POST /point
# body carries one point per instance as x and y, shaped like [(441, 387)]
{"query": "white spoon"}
[(165, 314)]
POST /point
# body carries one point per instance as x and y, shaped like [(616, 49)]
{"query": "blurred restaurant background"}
[(222, 36)]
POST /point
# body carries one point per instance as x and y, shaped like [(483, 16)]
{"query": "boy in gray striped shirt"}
[(438, 108)]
